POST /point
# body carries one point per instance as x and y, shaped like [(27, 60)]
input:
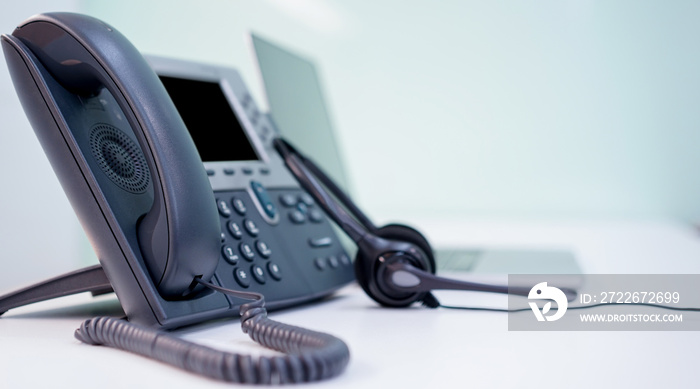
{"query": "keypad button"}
[(247, 171), (258, 274), (251, 227), (297, 217), (263, 249), (224, 209), (264, 171), (274, 271), (306, 199), (315, 215), (229, 171), (241, 276), (344, 259), (320, 263), (324, 241), (210, 172), (288, 200), (303, 208), (333, 261), (239, 206), (234, 229), (246, 251), (230, 254)]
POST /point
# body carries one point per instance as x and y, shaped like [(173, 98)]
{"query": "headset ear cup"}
[(401, 232), (366, 265)]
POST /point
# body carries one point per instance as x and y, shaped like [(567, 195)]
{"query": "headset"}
[(395, 264)]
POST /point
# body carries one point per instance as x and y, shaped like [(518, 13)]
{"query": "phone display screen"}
[(210, 120)]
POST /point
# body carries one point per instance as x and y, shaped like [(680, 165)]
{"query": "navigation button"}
[(315, 215), (265, 200), (288, 200), (297, 217), (306, 199)]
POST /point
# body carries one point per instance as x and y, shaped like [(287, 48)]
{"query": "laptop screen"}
[(298, 107)]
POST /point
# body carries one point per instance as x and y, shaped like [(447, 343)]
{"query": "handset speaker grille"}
[(120, 158)]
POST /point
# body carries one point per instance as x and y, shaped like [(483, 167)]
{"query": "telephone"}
[(161, 210), (185, 191)]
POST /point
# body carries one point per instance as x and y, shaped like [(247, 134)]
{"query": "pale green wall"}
[(515, 109), (519, 109)]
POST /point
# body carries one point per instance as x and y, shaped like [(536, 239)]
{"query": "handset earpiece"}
[(179, 236)]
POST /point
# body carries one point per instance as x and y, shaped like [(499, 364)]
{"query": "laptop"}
[(295, 97)]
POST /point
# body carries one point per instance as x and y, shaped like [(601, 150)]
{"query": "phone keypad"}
[(298, 255), (246, 247)]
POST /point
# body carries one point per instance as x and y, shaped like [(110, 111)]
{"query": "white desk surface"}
[(413, 347)]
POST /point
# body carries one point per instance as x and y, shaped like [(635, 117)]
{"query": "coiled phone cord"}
[(310, 355)]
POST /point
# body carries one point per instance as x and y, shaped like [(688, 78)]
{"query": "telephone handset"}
[(138, 164), (158, 217), (143, 149)]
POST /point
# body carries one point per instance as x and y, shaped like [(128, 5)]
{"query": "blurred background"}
[(510, 110)]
